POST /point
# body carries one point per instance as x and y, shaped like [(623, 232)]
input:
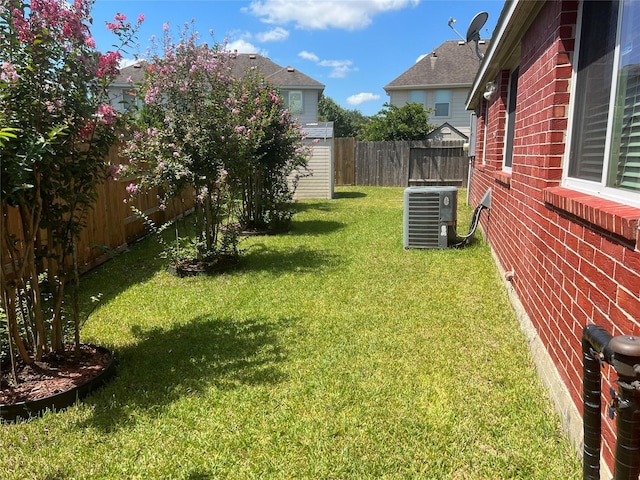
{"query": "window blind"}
[(628, 171), (625, 152)]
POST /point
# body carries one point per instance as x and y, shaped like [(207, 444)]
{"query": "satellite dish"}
[(473, 32)]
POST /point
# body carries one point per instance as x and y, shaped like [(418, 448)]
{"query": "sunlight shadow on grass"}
[(314, 227), (310, 205), (259, 257), (350, 195), (204, 353)]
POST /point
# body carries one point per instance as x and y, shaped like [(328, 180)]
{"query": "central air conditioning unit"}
[(430, 216)]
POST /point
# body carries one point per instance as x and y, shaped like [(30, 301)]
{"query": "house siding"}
[(459, 117), (575, 260), (310, 98)]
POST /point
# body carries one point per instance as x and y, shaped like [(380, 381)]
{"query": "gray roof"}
[(133, 72), (277, 75), (318, 130), (437, 131), (449, 64), (241, 62)]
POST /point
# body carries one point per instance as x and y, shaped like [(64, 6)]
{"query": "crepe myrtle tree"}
[(181, 141), (269, 155), (57, 128)]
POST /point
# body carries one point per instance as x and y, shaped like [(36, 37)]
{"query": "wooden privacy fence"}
[(401, 164), (112, 224), (344, 154)]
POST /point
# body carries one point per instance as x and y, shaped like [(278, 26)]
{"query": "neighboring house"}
[(556, 100), (440, 81), (301, 94), (121, 92)]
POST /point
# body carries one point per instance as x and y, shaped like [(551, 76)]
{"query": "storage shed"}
[(319, 184)]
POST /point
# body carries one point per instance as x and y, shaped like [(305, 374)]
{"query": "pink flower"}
[(132, 189), (165, 27), (86, 132), (113, 172), (108, 64), (120, 17), (107, 114), (141, 18), (90, 42), (9, 73)]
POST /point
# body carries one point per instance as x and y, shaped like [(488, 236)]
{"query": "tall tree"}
[(346, 123), (57, 127), (409, 122)]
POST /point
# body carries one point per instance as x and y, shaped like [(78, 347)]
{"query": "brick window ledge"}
[(613, 217), (502, 177)]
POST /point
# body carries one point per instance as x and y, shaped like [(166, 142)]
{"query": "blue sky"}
[(353, 47)]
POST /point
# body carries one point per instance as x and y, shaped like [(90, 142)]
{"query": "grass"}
[(331, 353)]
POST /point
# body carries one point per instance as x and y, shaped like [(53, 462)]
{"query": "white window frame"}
[(486, 129), (448, 90), (510, 130), (600, 188)]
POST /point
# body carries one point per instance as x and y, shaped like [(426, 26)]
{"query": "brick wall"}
[(575, 260)]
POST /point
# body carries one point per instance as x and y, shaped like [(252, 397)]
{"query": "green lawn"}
[(331, 353)]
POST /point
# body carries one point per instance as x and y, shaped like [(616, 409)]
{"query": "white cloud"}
[(278, 34), (126, 62), (244, 46), (309, 56), (362, 97), (314, 15), (339, 68)]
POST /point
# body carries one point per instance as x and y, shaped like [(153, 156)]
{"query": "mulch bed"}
[(55, 374)]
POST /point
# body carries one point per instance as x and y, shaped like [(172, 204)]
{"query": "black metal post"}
[(595, 339), (626, 361), (623, 352)]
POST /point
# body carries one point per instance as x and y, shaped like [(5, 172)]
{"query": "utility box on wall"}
[(430, 216)]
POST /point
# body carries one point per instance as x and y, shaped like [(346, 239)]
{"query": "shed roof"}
[(322, 130), (452, 63)]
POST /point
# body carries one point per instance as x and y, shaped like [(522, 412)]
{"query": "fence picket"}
[(398, 164)]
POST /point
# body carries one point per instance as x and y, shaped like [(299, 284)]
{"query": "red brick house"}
[(557, 139)]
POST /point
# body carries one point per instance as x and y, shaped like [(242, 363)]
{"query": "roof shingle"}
[(449, 64), (241, 62)]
